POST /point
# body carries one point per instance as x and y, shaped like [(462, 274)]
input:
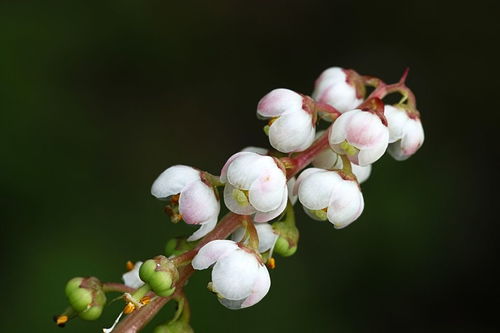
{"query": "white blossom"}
[(326, 195), (198, 203), (406, 134), (254, 184), (361, 135), (333, 87), (239, 278), (291, 127)]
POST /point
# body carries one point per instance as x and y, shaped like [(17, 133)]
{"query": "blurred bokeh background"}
[(97, 98)]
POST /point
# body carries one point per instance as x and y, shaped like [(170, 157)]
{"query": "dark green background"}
[(96, 99)]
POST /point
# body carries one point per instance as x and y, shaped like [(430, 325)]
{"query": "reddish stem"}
[(300, 161)]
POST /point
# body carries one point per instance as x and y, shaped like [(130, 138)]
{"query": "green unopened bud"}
[(161, 274), (286, 244), (178, 246), (284, 248), (86, 297), (174, 327)]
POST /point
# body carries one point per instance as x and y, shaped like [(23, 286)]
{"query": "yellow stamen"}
[(129, 308), (271, 121), (61, 320), (145, 300), (129, 265), (271, 263)]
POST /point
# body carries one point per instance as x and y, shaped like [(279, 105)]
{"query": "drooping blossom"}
[(191, 194), (290, 183), (239, 278), (255, 184), (327, 195), (360, 135), (291, 115), (406, 134), (334, 87)]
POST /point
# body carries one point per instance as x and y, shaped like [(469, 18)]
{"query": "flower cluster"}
[(259, 187)]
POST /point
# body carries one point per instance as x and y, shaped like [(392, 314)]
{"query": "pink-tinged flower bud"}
[(327, 195), (339, 88), (292, 120), (406, 134), (329, 160), (255, 184), (265, 232), (193, 198), (239, 278), (360, 135)]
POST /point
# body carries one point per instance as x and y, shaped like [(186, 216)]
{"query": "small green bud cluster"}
[(160, 274), (286, 244), (86, 297)]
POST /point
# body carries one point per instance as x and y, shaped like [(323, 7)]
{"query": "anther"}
[(271, 263), (129, 265), (145, 300), (61, 320), (129, 308)]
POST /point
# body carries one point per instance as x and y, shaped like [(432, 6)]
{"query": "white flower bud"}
[(197, 201), (292, 126), (406, 134), (326, 195), (238, 277), (254, 185), (360, 135)]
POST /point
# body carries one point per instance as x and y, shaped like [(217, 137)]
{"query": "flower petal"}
[(268, 216), (267, 237), (338, 132), (346, 204), (315, 191), (369, 156), (396, 122), (362, 173), (278, 102), (303, 175), (223, 173), (260, 287), (292, 131), (198, 203), (245, 169), (327, 159), (290, 186), (233, 276), (257, 150), (341, 95), (204, 229), (213, 251), (131, 279), (413, 138), (173, 180), (327, 78), (231, 304), (365, 131), (266, 193), (233, 205)]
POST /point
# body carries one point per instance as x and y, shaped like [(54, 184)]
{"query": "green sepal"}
[(178, 246)]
